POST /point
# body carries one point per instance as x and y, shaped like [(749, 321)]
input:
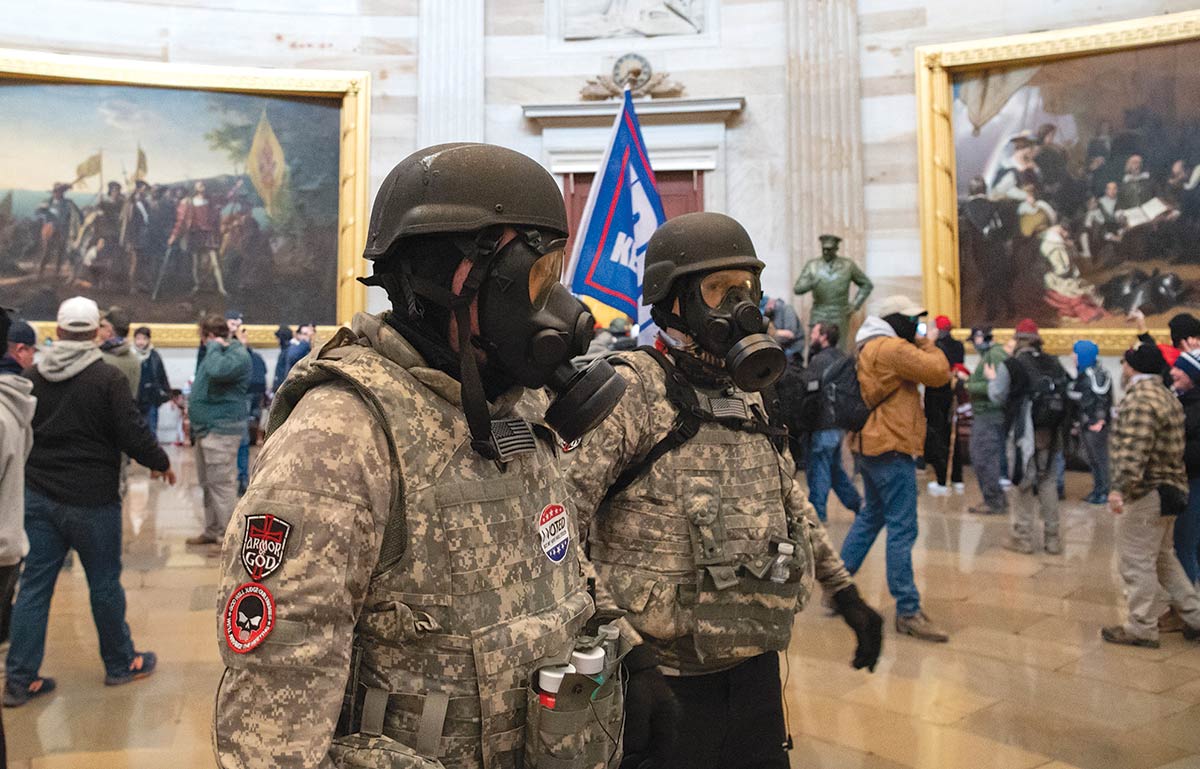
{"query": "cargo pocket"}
[(652, 604), (363, 751), (582, 731)]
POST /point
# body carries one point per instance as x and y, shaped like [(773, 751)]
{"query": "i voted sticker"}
[(554, 532)]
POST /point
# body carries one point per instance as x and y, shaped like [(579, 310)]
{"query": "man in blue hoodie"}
[(1091, 393)]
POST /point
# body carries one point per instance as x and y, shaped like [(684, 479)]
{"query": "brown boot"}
[(919, 626)]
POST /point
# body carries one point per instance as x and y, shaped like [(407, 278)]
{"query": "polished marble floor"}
[(1024, 682)]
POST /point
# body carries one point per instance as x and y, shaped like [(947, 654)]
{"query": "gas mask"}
[(720, 311), (531, 327)]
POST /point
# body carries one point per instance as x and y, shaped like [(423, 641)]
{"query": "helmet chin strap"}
[(478, 252)]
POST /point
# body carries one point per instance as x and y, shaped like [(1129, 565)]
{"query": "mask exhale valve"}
[(583, 398)]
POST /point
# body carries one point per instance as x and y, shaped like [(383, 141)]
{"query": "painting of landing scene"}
[(168, 202), (1079, 189)]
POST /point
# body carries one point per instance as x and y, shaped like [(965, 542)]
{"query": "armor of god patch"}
[(554, 532), (262, 547), (249, 617)]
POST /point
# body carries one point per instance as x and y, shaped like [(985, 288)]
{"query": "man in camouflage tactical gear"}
[(407, 557), (696, 527)]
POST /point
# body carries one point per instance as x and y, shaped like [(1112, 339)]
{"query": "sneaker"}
[(960, 487), (1170, 621), (143, 665), (15, 697), (1117, 634), (1018, 546), (919, 626), (937, 490), (1005, 484), (1053, 545), (201, 539), (1190, 633)]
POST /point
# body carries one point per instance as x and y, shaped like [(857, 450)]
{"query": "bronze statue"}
[(829, 279)]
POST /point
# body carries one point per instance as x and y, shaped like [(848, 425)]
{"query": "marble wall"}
[(889, 31), (743, 54)]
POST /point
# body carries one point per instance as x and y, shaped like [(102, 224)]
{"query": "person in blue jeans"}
[(892, 362), (1185, 378), (824, 468), (84, 420)]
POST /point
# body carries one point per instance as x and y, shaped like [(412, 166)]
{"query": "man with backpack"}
[(892, 362), (1033, 389), (824, 468), (987, 426)]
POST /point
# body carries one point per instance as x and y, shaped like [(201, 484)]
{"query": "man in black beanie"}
[(1185, 331), (1149, 489)]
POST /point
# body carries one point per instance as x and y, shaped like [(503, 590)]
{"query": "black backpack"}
[(799, 398), (1047, 390), (841, 399)]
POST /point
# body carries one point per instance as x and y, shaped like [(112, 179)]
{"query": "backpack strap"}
[(687, 421)]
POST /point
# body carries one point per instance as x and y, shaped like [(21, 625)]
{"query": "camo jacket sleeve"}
[(830, 571), (326, 474)]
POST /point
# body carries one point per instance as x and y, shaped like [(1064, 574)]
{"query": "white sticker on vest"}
[(555, 534)]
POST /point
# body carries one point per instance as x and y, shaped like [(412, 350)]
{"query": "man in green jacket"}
[(987, 428), (217, 409)]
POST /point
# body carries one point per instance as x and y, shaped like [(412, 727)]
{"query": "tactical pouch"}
[(362, 751), (583, 731), (738, 610)]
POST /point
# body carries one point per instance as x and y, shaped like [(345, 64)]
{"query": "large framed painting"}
[(1060, 178), (174, 191)]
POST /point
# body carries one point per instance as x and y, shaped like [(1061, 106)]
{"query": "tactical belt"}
[(692, 409)]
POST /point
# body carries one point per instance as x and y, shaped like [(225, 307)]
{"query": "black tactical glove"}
[(866, 624), (651, 712)]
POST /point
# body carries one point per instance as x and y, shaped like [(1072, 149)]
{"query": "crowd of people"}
[(635, 512)]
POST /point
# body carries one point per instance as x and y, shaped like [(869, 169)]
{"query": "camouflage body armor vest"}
[(687, 547), (469, 598)]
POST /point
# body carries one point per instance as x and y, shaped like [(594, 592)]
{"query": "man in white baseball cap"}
[(892, 361), (84, 419), (79, 314)]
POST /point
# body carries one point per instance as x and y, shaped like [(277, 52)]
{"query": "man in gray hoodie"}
[(16, 438)]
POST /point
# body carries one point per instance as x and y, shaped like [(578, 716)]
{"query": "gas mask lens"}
[(545, 274), (716, 286)]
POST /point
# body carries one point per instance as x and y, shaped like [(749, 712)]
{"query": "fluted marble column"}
[(825, 138), (450, 87)]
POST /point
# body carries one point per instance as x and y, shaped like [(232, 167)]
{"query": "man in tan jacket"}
[(892, 361)]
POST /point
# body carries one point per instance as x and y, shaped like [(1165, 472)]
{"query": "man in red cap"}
[(939, 414), (1033, 389)]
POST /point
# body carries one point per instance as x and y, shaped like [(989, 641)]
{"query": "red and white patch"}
[(568, 446), (249, 617), (555, 532)]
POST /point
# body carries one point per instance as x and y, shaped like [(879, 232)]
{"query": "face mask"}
[(531, 326), (904, 326), (720, 311)]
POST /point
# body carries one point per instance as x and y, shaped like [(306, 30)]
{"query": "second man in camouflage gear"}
[(696, 527)]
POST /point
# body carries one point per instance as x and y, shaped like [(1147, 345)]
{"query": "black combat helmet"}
[(463, 187), (692, 243)]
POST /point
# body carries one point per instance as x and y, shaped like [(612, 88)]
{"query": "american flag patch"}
[(513, 437), (728, 408)]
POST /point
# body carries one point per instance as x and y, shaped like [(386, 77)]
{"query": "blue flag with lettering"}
[(623, 210)]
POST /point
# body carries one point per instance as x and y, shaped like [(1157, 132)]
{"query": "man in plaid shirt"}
[(1149, 488)]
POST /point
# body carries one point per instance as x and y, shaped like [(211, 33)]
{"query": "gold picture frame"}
[(936, 67), (352, 88)]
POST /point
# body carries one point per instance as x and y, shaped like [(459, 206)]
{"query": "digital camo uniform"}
[(686, 548), (412, 566)]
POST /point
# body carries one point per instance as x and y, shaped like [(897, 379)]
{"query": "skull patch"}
[(249, 617)]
